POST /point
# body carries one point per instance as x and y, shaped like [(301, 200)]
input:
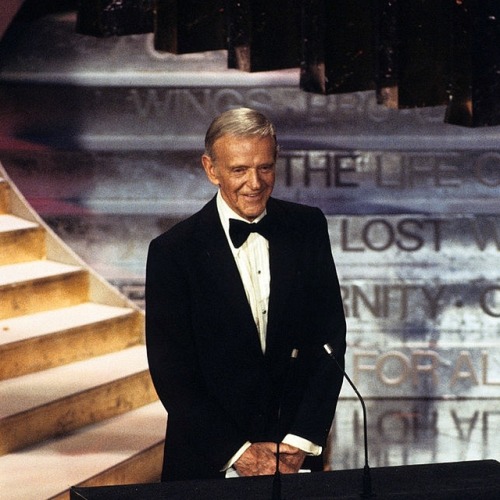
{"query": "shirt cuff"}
[(237, 455), (303, 444)]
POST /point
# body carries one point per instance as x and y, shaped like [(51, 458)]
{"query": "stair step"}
[(20, 240), (124, 449), (44, 340), (12, 223), (40, 285), (42, 405), (4, 196), (30, 271)]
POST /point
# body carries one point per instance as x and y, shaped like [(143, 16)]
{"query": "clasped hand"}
[(260, 459)]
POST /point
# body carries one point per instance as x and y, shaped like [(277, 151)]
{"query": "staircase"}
[(77, 405)]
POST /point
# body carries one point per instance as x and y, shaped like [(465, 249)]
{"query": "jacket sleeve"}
[(207, 442), (325, 324)]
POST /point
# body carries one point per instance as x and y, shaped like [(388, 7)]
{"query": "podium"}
[(446, 481)]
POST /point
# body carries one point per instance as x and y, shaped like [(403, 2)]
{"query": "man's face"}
[(244, 169)]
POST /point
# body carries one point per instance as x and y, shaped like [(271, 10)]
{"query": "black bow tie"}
[(239, 230)]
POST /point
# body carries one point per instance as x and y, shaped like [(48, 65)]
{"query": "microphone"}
[(277, 473), (367, 481)]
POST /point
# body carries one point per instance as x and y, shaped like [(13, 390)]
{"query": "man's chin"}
[(252, 214)]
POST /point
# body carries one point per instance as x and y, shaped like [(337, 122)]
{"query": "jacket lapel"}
[(283, 264), (222, 271)]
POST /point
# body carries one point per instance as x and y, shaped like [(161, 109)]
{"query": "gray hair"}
[(240, 122)]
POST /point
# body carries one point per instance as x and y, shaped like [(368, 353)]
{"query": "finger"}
[(288, 449), (288, 468), (268, 446), (291, 463)]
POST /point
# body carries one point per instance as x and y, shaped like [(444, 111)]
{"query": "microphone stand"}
[(367, 481), (277, 473)]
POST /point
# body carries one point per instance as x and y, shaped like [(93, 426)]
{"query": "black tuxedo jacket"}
[(205, 359)]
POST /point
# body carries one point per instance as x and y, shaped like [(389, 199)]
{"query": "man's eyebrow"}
[(242, 165)]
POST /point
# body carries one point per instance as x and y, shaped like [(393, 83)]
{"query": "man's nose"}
[(254, 179)]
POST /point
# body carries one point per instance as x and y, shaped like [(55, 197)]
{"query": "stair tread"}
[(12, 223), (27, 271), (36, 389), (47, 469), (43, 323)]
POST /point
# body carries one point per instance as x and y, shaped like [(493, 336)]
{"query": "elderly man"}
[(240, 299)]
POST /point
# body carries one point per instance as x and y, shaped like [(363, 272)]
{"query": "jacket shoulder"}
[(296, 214), (185, 231)]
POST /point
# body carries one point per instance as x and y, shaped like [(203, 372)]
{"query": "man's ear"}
[(210, 169)]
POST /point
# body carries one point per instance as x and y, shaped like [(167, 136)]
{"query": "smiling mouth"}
[(254, 195)]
